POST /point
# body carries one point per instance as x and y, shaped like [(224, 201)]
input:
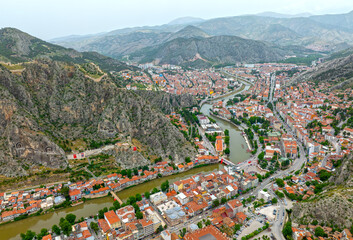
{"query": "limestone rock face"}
[(51, 101), (334, 204)]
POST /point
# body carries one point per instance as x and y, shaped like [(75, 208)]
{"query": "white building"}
[(266, 196), (157, 198)]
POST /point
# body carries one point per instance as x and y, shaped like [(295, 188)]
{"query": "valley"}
[(230, 127)]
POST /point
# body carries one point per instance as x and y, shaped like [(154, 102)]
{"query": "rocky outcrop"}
[(334, 205), (344, 174), (167, 103), (51, 101)]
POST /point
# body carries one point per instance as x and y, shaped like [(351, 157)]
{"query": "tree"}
[(94, 227), (42, 233), (237, 227), (155, 190), (116, 205), (66, 227), (71, 218), (274, 200), (324, 175), (199, 224), (138, 197), (223, 200), (139, 215), (208, 222), (136, 207), (187, 159), (261, 156), (129, 173), (215, 203), (287, 230), (226, 132), (280, 182), (227, 151), (55, 229), (159, 229), (183, 232), (147, 195), (165, 186), (29, 235), (101, 214), (65, 191), (319, 232), (132, 199)]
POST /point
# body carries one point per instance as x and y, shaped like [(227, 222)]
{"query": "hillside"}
[(50, 104), (334, 202), (218, 49), (50, 108), (337, 72), (17, 46)]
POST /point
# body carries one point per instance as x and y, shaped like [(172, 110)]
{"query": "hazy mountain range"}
[(323, 33)]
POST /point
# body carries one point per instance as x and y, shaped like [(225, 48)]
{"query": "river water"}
[(237, 144), (238, 153)]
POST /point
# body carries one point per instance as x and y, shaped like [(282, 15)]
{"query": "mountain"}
[(118, 46), (185, 20), (47, 107), (325, 33), (336, 71), (306, 31), (280, 15), (211, 50), (340, 21), (17, 46)]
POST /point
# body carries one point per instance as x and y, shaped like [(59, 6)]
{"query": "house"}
[(112, 219), (264, 195), (240, 217), (235, 205), (209, 232), (75, 194), (157, 198), (219, 144), (47, 237)]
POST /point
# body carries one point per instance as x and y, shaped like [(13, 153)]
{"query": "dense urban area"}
[(297, 135)]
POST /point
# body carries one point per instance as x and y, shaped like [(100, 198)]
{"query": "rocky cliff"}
[(52, 102), (335, 204)]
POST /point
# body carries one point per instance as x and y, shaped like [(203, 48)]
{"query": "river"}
[(237, 144), (238, 153)]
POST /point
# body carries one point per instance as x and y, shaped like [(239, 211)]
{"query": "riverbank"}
[(236, 91), (12, 230), (235, 126)]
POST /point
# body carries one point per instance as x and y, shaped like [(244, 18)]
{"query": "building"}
[(75, 194), (182, 198), (235, 205), (157, 198), (208, 233), (112, 219), (264, 195)]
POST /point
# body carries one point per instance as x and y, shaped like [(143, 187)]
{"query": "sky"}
[(49, 19)]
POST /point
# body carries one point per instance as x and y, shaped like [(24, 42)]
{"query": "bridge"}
[(227, 162), (116, 197)]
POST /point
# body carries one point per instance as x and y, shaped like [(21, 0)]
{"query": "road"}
[(206, 142), (272, 86), (266, 183)]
